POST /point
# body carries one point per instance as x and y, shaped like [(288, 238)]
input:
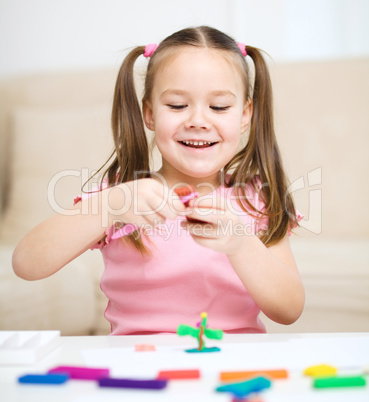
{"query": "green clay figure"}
[(199, 332)]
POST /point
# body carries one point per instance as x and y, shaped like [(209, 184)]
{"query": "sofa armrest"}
[(66, 301), (336, 280)]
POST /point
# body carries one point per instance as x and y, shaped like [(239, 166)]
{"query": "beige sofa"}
[(54, 131)]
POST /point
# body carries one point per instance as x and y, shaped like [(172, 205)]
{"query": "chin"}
[(201, 174)]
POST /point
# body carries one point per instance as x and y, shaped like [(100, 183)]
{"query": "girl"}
[(226, 252)]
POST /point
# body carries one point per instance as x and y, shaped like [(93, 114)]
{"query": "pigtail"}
[(131, 154), (261, 157), (131, 147)]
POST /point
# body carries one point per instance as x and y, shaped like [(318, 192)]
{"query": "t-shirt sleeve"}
[(299, 217), (261, 219)]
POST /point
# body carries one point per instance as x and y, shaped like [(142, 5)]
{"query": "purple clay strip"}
[(129, 383)]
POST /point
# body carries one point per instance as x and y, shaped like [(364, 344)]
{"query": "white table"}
[(281, 350)]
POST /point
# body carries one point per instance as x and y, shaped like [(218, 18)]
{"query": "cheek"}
[(160, 140), (235, 145), (232, 143), (165, 124), (164, 133), (231, 132)]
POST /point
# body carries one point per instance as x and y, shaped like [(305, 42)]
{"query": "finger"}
[(168, 212), (211, 243), (159, 215), (211, 202), (206, 215), (171, 205), (203, 230), (151, 220), (177, 206)]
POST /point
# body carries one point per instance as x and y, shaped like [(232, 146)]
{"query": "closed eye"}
[(177, 107), (219, 108)]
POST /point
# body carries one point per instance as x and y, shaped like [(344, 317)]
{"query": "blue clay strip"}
[(43, 379)]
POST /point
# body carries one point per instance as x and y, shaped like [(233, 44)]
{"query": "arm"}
[(55, 242), (60, 239), (271, 277), (269, 274)]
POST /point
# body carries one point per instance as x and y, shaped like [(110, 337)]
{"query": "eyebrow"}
[(182, 92)]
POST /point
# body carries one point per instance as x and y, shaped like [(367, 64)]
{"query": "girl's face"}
[(198, 112)]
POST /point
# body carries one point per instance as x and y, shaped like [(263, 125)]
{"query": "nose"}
[(197, 120)]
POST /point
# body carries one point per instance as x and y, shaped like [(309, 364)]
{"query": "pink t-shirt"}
[(178, 281)]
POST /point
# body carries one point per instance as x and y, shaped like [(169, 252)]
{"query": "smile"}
[(198, 144)]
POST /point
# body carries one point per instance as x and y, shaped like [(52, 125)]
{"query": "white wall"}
[(292, 30), (39, 35)]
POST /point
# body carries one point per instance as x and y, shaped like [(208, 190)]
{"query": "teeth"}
[(197, 143)]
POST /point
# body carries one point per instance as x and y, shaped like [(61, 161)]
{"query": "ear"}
[(246, 116), (148, 115)]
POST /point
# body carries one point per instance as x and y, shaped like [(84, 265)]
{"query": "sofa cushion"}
[(53, 153), (336, 280), (65, 301), (321, 111)]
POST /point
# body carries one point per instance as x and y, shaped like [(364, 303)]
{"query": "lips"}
[(198, 144)]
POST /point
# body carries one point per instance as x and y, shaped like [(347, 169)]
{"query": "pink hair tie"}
[(242, 47), (150, 49)]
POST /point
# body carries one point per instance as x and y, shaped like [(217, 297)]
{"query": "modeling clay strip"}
[(186, 193), (342, 381), (188, 197), (129, 383), (81, 373), (242, 389), (323, 370), (178, 374), (52, 379), (145, 348), (243, 375)]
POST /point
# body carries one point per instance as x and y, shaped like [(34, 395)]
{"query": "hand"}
[(143, 202), (215, 226)]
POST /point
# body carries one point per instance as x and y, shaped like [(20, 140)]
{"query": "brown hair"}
[(259, 158)]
